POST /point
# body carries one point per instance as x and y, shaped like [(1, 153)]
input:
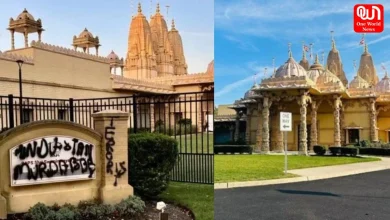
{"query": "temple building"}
[(155, 63), (326, 109)]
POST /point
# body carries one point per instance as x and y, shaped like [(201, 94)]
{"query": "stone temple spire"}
[(366, 67), (334, 63), (161, 45), (304, 62), (141, 59), (178, 51)]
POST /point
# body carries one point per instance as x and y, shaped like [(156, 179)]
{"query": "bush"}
[(182, 129), (130, 207), (38, 212), (352, 151), (152, 157), (139, 130), (233, 149), (375, 151), (185, 121), (87, 210), (319, 150)]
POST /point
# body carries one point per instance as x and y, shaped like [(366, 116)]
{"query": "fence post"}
[(135, 114), (11, 111), (71, 110)]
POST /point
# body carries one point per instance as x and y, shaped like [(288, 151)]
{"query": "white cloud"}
[(230, 87), (242, 44)]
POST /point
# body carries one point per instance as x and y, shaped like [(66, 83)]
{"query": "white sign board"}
[(210, 122), (285, 121), (52, 159)]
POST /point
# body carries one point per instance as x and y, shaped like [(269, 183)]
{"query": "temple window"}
[(353, 136)]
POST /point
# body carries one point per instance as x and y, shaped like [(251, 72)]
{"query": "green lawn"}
[(230, 168), (197, 197), (196, 143)]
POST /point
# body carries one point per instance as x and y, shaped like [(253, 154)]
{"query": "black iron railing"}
[(187, 117)]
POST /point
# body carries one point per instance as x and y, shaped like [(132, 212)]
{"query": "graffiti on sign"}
[(52, 159), (110, 143)]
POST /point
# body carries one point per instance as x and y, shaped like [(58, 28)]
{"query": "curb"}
[(295, 179)]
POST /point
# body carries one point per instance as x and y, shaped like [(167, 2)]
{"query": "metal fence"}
[(187, 117)]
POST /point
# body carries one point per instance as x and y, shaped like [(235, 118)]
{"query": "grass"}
[(196, 143), (230, 168), (197, 197)]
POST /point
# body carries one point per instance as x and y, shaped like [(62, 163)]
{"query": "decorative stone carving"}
[(313, 129), (265, 143), (373, 121), (259, 134), (337, 106), (248, 126)]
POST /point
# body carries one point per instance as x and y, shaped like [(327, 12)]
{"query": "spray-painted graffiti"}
[(110, 143), (52, 159)]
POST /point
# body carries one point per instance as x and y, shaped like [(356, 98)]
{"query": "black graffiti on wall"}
[(54, 168), (81, 162), (110, 143), (109, 135)]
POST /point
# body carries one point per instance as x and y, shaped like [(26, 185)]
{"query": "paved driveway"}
[(363, 196)]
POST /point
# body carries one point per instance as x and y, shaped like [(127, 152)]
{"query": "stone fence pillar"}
[(112, 125)]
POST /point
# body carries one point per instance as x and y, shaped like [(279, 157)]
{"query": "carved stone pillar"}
[(303, 125), (152, 121), (25, 37), (337, 106), (13, 39), (237, 127), (279, 134), (248, 126), (265, 143), (342, 131), (259, 131), (373, 121), (39, 36), (313, 127)]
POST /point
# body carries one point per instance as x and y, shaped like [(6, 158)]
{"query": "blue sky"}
[(249, 33), (110, 21)]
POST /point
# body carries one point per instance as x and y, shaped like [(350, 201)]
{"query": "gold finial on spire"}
[(303, 51), (265, 72), (316, 59), (173, 24), (158, 8), (333, 41), (273, 66), (311, 51), (139, 8), (289, 50)]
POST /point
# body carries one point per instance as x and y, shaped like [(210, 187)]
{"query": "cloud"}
[(242, 44), (284, 10), (230, 87)]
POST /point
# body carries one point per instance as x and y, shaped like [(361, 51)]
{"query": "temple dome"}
[(315, 70), (289, 69), (359, 83), (327, 78), (112, 56), (383, 86), (85, 33), (25, 14)]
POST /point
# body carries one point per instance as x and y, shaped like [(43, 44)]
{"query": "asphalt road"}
[(363, 196)]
